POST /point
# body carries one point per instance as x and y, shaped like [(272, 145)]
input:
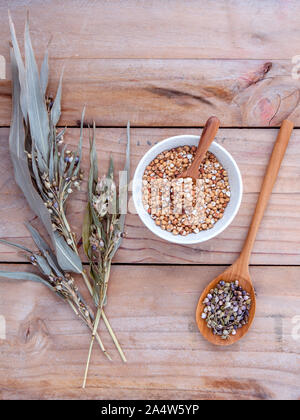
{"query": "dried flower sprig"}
[(103, 230), (54, 278)]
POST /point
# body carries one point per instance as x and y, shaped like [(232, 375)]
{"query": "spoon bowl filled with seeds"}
[(227, 306), (181, 209)]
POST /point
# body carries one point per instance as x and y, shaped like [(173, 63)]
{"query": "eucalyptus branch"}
[(103, 230)]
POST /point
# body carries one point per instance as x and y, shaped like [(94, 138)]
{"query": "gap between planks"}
[(140, 127), (120, 264)]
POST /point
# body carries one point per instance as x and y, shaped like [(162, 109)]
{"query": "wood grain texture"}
[(153, 312), (279, 235), (171, 92), (157, 63), (160, 29)]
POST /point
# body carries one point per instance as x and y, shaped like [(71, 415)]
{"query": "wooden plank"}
[(156, 29), (172, 92), (279, 236), (153, 312), (278, 241)]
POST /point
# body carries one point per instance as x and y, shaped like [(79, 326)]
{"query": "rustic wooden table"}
[(166, 66)]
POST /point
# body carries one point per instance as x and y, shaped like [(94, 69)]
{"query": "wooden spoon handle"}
[(267, 187), (208, 134)]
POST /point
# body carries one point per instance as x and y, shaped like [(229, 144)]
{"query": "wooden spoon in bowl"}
[(240, 269), (208, 134)]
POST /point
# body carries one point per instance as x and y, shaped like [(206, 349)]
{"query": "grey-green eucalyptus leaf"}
[(56, 108), (17, 132), (43, 167), (36, 106), (43, 265), (51, 163), (67, 259), (36, 172), (18, 61), (18, 156), (23, 248), (20, 275), (44, 73), (45, 249)]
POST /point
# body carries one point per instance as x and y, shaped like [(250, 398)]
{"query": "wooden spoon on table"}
[(208, 134), (240, 269)]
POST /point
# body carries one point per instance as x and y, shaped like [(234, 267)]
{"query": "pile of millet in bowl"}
[(215, 192)]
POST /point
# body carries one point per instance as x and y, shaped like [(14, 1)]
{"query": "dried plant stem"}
[(113, 336), (91, 328), (107, 324), (96, 323), (100, 313), (102, 346), (87, 282)]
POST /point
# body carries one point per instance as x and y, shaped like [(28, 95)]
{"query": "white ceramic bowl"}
[(235, 181)]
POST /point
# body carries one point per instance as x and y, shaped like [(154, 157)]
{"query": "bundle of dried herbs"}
[(47, 173), (103, 229)]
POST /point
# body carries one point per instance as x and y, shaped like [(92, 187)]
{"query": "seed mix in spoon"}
[(226, 309)]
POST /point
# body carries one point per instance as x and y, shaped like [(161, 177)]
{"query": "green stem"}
[(96, 323)]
